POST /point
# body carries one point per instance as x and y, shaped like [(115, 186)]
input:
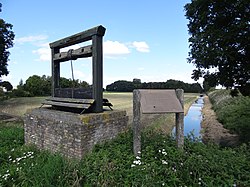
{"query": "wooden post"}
[(55, 68), (136, 122), (97, 63), (180, 120)]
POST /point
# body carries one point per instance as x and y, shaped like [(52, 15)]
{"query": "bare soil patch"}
[(213, 130)]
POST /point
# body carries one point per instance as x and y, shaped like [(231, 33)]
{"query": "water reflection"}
[(192, 121)]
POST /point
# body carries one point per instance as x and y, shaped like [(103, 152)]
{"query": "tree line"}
[(39, 86), (129, 86)]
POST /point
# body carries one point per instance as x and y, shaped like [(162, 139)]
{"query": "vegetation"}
[(41, 86), (128, 86), (113, 163), (232, 112), (6, 42), (220, 41)]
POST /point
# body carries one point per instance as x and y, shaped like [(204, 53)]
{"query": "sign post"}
[(157, 102)]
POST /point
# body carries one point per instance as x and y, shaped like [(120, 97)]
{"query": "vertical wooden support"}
[(97, 68), (136, 122), (55, 72), (180, 120)]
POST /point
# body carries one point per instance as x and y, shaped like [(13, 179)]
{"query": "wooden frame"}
[(95, 50)]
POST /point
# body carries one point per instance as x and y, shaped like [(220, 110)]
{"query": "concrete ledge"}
[(71, 134)]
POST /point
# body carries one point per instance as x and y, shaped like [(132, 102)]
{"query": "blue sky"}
[(144, 39)]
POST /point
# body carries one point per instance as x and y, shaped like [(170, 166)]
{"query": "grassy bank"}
[(232, 112), (113, 163)]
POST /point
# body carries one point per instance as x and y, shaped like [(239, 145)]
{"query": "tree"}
[(7, 85), (6, 42), (220, 41), (37, 86)]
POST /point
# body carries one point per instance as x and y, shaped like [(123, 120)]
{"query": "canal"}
[(192, 121)]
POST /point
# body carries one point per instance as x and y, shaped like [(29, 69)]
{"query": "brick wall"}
[(71, 134)]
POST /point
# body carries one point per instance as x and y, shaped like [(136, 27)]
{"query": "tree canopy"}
[(6, 42), (220, 41), (128, 86)]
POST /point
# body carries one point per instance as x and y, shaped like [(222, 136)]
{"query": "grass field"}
[(120, 100)]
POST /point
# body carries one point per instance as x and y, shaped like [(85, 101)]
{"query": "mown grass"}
[(232, 112), (113, 163)]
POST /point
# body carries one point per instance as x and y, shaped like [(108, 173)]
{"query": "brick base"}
[(71, 134)]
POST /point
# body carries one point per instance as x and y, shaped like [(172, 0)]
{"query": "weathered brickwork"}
[(72, 134)]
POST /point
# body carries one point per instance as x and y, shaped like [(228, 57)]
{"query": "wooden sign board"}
[(160, 101)]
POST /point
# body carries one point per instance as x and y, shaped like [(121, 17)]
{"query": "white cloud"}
[(44, 52), (141, 46), (31, 39), (78, 74), (114, 49)]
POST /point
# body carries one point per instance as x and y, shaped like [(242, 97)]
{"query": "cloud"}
[(43, 52), (141, 46), (31, 39), (114, 49), (78, 74)]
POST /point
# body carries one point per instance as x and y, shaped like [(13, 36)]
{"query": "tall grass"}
[(113, 163), (232, 112)]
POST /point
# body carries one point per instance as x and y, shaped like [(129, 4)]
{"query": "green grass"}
[(113, 163), (232, 112)]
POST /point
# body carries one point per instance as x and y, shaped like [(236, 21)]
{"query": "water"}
[(192, 121)]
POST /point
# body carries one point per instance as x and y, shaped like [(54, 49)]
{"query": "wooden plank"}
[(74, 54), (71, 100), (69, 105), (107, 104), (79, 37)]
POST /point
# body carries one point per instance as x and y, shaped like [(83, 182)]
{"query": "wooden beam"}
[(136, 122), (79, 37), (74, 54), (55, 69), (97, 68)]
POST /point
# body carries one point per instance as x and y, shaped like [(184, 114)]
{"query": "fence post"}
[(136, 122), (180, 120)]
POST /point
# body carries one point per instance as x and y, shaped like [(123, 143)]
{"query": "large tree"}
[(6, 42), (220, 41)]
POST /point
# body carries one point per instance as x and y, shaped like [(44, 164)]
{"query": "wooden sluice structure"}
[(79, 99)]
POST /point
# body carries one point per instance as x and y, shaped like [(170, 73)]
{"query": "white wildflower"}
[(138, 158), (164, 162)]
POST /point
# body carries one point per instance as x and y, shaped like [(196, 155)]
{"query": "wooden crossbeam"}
[(79, 37), (74, 54)]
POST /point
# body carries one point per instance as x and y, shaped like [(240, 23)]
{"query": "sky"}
[(145, 39)]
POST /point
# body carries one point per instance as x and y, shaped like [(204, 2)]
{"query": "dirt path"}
[(213, 131)]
